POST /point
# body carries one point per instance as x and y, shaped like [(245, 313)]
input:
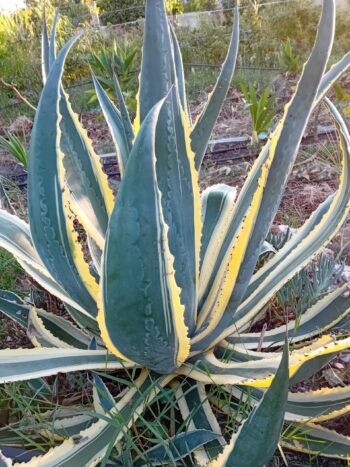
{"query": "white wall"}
[(340, 3), (192, 20)]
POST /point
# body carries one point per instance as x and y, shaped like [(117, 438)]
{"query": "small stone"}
[(333, 377), (339, 366), (225, 170), (328, 252), (284, 229), (345, 358), (346, 274), (8, 339)]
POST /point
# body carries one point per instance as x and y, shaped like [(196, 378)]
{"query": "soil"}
[(297, 459)]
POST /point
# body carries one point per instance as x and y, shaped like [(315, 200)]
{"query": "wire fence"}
[(142, 7), (242, 65), (88, 84)]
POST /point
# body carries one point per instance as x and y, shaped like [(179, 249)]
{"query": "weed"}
[(262, 110), (289, 61), (10, 270)]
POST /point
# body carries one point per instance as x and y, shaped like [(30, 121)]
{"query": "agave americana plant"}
[(104, 63), (262, 110), (173, 290)]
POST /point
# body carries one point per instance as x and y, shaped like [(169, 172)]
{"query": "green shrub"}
[(10, 271), (122, 62), (124, 11), (15, 146), (20, 39), (200, 5), (120, 11), (289, 61), (262, 110)]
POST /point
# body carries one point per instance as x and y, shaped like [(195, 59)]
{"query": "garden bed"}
[(314, 178)]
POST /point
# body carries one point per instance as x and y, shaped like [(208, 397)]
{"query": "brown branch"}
[(13, 88), (262, 336)]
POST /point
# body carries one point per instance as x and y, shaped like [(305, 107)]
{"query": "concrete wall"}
[(341, 3), (193, 20)]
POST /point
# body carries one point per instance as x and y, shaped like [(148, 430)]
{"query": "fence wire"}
[(142, 7), (65, 9)]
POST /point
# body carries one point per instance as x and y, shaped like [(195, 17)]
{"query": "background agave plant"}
[(262, 110), (15, 147), (172, 291), (121, 59)]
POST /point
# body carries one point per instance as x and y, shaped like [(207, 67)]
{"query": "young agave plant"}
[(172, 290)]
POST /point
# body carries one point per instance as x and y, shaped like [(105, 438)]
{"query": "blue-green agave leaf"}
[(179, 69), (45, 49), (256, 440), (48, 222), (206, 121), (52, 50), (81, 174), (141, 318), (105, 398), (282, 152), (128, 128), (116, 126), (177, 180), (14, 308), (197, 413), (288, 141), (176, 447), (158, 67)]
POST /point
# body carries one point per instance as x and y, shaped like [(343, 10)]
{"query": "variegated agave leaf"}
[(171, 288)]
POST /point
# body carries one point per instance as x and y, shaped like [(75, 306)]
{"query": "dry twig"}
[(13, 88)]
